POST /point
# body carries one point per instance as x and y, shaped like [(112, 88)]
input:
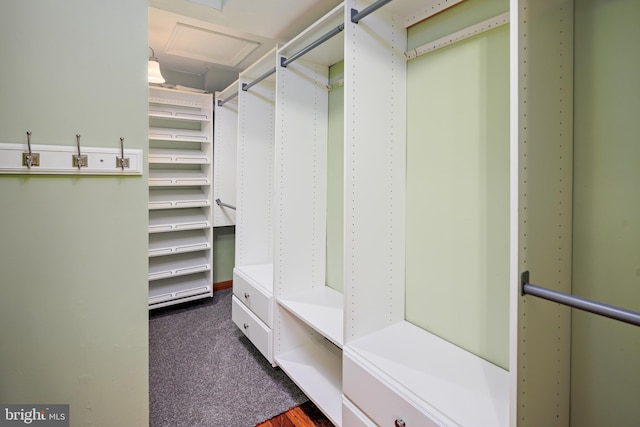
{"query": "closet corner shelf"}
[(320, 308)]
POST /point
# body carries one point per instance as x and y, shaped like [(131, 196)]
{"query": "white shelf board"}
[(183, 198), (321, 308), (163, 267), (177, 177), (436, 373), (171, 155), (170, 134), (317, 371), (260, 275), (177, 219), (178, 289), (157, 112), (180, 98), (177, 242), (58, 160)]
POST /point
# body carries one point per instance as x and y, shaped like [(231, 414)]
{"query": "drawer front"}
[(384, 406), (258, 300), (257, 332), (353, 417)]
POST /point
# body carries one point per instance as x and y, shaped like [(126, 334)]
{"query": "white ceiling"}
[(196, 37)]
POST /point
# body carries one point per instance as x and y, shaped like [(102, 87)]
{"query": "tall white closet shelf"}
[(180, 196), (253, 301)]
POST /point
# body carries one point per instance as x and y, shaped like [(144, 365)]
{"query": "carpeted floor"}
[(203, 372)]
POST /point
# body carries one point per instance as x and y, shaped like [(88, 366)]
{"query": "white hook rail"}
[(68, 160)]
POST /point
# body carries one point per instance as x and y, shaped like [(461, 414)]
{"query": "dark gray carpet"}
[(203, 372)]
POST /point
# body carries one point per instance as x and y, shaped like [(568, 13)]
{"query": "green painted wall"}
[(457, 247), (335, 180), (73, 257), (605, 374), (224, 249)]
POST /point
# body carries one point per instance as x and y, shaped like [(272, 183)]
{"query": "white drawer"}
[(353, 417), (379, 401), (257, 332), (254, 296)]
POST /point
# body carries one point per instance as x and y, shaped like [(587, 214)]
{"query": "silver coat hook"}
[(30, 158), (122, 162), (79, 160)]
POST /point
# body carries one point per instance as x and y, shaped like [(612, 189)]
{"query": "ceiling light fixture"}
[(155, 76)]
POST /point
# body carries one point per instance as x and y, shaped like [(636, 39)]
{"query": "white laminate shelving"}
[(450, 384), (225, 155), (320, 308), (308, 320), (183, 198), (253, 273), (166, 292), (435, 330), (395, 371), (178, 242), (180, 196), (316, 368)]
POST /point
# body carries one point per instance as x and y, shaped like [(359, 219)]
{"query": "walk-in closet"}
[(403, 213)]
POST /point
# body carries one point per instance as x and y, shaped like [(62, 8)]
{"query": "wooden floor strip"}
[(305, 415)]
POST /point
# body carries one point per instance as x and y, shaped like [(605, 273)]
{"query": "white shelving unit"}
[(394, 370), (180, 196), (394, 347), (308, 317), (225, 155), (253, 301)]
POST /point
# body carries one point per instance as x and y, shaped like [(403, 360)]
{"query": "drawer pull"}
[(246, 326), (400, 423), (246, 295)]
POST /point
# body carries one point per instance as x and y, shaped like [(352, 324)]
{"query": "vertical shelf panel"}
[(225, 156), (375, 133), (544, 147), (254, 218)]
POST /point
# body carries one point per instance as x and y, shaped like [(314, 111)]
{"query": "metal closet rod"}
[(610, 311), (219, 203), (246, 86), (286, 61), (227, 99), (357, 16)]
